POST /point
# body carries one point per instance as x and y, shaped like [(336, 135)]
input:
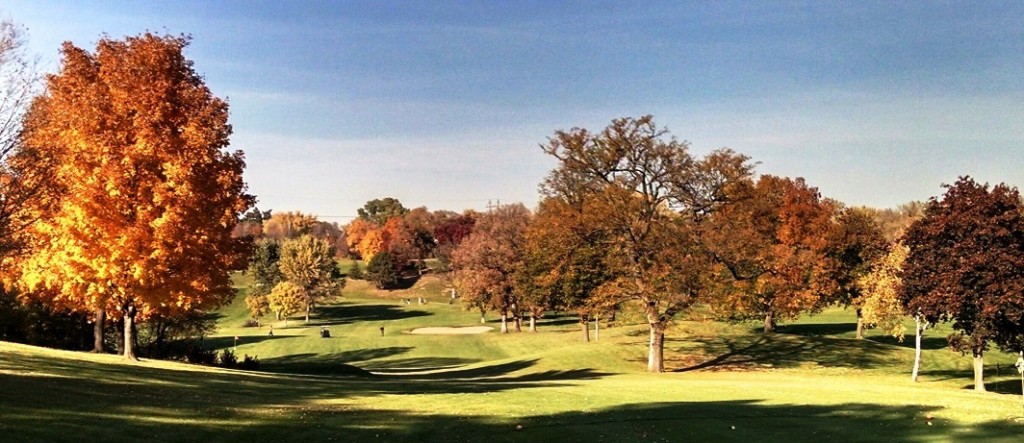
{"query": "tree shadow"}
[(417, 365), (1006, 386), (561, 321), (814, 329), (781, 350), (343, 314), (340, 363), (98, 410), (227, 341), (927, 343)]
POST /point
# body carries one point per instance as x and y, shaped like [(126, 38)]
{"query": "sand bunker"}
[(452, 331)]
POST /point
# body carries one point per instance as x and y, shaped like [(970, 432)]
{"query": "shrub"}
[(228, 359), (250, 363), (199, 356)]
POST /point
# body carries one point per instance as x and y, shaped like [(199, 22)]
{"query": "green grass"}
[(810, 382)]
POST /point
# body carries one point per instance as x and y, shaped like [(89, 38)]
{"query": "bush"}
[(250, 363), (199, 356), (251, 323), (228, 359)]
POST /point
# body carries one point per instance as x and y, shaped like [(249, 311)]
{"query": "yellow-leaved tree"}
[(149, 194)]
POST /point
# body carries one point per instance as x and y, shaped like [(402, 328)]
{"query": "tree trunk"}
[(307, 311), (517, 318), (979, 371), (597, 328), (504, 321), (585, 327), (97, 330), (918, 332), (860, 324), (769, 322), (129, 333), (656, 351), (533, 323), (119, 333)]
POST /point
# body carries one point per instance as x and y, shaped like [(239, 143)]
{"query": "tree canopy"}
[(486, 262), (149, 197), (654, 193), (379, 210), (308, 263), (966, 265)]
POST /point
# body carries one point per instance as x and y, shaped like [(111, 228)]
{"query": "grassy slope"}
[(810, 382)]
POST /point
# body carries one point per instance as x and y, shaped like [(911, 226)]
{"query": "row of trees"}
[(631, 216)]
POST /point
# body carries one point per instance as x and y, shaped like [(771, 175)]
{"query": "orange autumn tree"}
[(150, 195), (356, 232), (771, 248)]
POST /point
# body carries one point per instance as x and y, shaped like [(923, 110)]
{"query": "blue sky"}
[(444, 104)]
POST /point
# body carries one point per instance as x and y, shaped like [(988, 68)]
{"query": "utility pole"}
[(491, 207)]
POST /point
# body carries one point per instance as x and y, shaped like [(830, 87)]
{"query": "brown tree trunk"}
[(129, 333), (979, 371), (585, 327), (119, 333), (97, 330), (533, 322), (769, 322), (656, 351), (918, 332), (860, 324), (504, 321)]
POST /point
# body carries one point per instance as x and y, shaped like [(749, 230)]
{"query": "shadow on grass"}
[(813, 329), (344, 314), (782, 350), (422, 364), (341, 363), (1010, 386), (927, 343), (221, 342), (236, 407)]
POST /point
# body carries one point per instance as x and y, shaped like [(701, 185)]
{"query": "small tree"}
[(286, 299), (966, 265), (881, 304), (264, 274), (308, 263), (356, 271), (381, 271)]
